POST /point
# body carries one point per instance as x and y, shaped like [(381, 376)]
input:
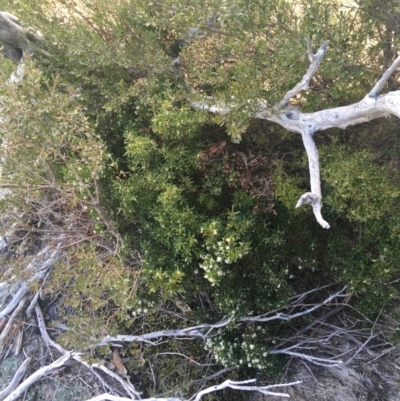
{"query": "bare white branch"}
[(43, 331), (40, 373), (369, 108), (314, 360), (243, 387), (39, 267), (313, 198), (304, 84), (16, 300), (193, 332), (19, 375), (129, 388), (32, 304), (283, 316), (10, 322), (136, 395), (110, 397), (206, 379), (385, 77), (297, 298)]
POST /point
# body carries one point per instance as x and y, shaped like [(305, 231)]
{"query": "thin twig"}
[(282, 316)]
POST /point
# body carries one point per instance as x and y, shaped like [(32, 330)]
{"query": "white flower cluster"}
[(143, 307), (244, 350), (224, 352), (220, 253)]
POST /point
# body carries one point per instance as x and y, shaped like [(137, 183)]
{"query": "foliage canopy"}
[(204, 225)]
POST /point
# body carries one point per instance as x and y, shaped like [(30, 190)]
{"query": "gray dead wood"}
[(39, 268), (16, 39), (282, 316), (19, 375), (189, 332), (126, 384), (235, 385), (371, 107), (39, 374)]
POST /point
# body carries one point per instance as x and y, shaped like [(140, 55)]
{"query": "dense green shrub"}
[(204, 203)]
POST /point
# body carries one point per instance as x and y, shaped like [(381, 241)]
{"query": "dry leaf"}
[(117, 362), (183, 306)]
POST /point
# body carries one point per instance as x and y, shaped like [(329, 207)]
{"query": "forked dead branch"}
[(323, 342), (371, 107)]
